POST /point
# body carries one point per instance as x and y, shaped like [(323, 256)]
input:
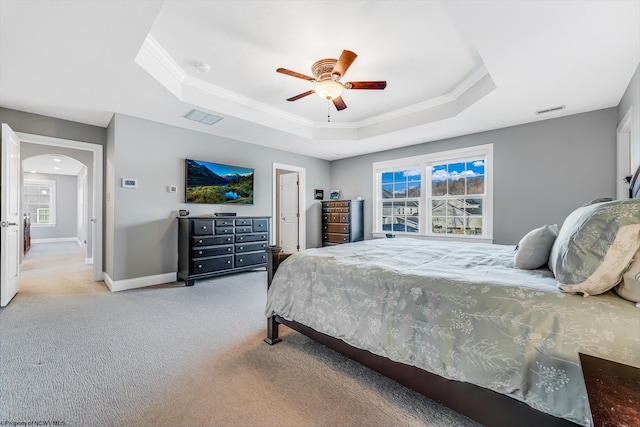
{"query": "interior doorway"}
[(289, 214), (89, 188)]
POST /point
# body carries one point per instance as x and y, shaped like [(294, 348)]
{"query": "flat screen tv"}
[(216, 183)]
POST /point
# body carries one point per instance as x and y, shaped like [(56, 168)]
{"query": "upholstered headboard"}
[(634, 185)]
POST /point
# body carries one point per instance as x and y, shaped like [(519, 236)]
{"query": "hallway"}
[(57, 269)]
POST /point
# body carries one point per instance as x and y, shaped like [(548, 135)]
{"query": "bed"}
[(458, 323)]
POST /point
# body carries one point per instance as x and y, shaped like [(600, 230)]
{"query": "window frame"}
[(51, 184), (425, 162)]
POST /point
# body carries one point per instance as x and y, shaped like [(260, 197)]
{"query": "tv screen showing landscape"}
[(216, 183)]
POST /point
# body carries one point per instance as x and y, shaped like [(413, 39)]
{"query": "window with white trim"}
[(446, 194), (39, 200)]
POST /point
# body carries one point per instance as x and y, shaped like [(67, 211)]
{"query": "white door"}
[(9, 216), (289, 215)]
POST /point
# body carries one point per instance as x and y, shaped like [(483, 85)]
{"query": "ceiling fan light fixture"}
[(328, 89)]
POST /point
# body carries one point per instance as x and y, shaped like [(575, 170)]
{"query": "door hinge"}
[(298, 247), (298, 214)]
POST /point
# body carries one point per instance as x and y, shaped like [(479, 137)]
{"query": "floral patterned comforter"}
[(461, 311)]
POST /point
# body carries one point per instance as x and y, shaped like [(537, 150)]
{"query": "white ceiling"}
[(452, 67), (52, 164)]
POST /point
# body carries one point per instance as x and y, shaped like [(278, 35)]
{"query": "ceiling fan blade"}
[(366, 85), (302, 95), (294, 74), (344, 62), (339, 103)]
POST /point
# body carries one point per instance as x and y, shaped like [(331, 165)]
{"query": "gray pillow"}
[(595, 246), (534, 248)]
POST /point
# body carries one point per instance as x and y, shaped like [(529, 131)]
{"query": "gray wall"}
[(20, 121), (36, 124), (542, 170), (141, 230), (631, 98), (66, 211)]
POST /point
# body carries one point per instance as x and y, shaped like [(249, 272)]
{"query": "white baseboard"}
[(57, 240), (139, 282)]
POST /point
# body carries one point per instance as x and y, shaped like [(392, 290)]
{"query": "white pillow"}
[(629, 288), (534, 248), (595, 246)]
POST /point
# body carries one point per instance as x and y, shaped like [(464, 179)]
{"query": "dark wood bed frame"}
[(482, 405)]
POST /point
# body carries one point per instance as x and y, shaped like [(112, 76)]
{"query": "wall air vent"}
[(202, 117), (548, 110)]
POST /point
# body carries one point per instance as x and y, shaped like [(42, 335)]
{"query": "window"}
[(446, 194), (39, 201)]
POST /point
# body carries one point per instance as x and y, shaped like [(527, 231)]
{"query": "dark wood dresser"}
[(211, 246), (342, 221)]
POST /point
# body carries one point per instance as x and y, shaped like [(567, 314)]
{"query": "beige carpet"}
[(74, 354)]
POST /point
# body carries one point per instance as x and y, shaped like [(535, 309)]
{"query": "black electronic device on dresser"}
[(211, 246), (342, 221)]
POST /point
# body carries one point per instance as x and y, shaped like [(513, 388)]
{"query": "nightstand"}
[(614, 391)]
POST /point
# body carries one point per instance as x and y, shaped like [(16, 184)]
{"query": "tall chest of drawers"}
[(210, 247), (342, 221)]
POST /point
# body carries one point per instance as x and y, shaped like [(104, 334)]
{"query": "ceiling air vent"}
[(202, 117), (548, 110)]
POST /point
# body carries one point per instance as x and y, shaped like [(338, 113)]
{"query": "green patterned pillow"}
[(595, 246)]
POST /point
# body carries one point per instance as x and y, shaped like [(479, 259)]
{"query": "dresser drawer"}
[(260, 225), (201, 227), (251, 258), (342, 204), (344, 217), (334, 217), (336, 228), (244, 229), (249, 247), (335, 238), (206, 265), (224, 230), (211, 240), (257, 237), (223, 222), (243, 222), (209, 251)]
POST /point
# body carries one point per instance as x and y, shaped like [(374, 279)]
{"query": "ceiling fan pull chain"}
[(328, 111)]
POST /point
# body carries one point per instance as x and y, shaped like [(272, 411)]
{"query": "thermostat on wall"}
[(129, 183)]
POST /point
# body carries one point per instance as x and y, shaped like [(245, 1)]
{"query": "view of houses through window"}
[(39, 201), (435, 196)]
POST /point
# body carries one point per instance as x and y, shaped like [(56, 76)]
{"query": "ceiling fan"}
[(327, 74)]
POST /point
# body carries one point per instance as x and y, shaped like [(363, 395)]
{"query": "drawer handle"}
[(229, 262), (241, 238), (240, 259), (199, 265), (204, 227), (264, 256), (241, 247), (228, 249), (199, 252), (199, 241)]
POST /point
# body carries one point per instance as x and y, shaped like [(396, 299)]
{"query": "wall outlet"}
[(172, 189)]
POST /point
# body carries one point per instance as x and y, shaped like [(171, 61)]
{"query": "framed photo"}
[(319, 194), (335, 194)]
